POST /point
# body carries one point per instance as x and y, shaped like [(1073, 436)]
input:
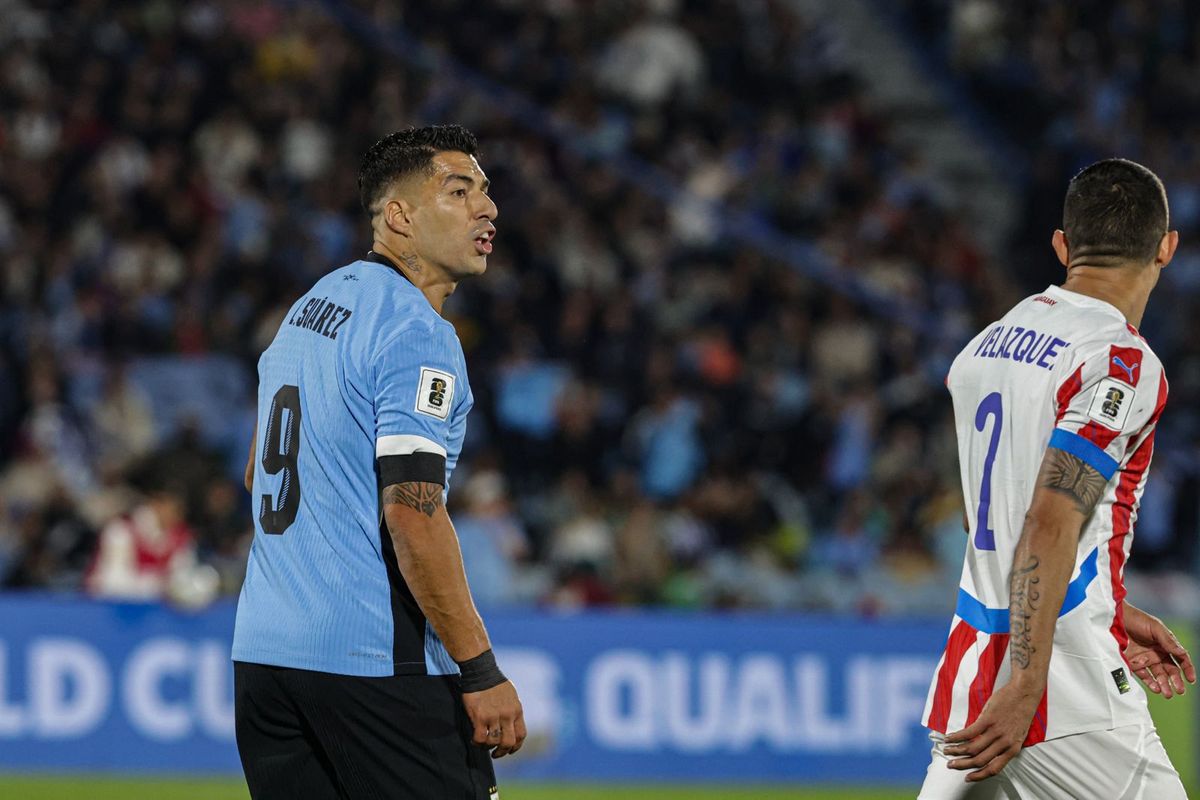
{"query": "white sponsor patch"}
[(1111, 403), (435, 392)]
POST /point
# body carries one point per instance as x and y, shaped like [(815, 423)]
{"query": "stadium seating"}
[(717, 388)]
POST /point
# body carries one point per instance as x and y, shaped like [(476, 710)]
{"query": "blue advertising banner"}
[(129, 687), (730, 697), (615, 695)]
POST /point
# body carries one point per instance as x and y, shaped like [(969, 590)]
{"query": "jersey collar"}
[(1075, 298), (387, 262)]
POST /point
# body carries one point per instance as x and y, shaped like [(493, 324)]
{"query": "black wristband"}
[(480, 673)]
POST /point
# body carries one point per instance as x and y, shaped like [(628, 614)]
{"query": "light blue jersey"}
[(362, 368)]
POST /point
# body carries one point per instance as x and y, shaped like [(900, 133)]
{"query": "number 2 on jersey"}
[(276, 459), (985, 537)]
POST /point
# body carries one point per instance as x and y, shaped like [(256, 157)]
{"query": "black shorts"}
[(314, 735)]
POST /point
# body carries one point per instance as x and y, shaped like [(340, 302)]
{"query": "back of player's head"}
[(404, 153), (1115, 213)]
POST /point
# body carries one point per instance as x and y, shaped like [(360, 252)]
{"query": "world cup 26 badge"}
[(435, 392), (1110, 405)]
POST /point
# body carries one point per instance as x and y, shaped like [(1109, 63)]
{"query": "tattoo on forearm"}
[(1066, 474), (420, 496), (1023, 602)]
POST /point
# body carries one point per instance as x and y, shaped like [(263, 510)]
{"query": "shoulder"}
[(1112, 355), (394, 311), (420, 339), (1103, 340), (421, 328)]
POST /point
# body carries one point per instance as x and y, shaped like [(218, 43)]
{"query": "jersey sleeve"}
[(417, 382), (1114, 395)]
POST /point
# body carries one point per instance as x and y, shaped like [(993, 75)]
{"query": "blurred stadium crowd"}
[(1072, 83), (665, 413)]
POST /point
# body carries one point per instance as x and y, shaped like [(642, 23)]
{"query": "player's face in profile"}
[(453, 228)]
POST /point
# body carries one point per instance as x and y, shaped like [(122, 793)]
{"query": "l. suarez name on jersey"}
[(321, 315), (1023, 345)]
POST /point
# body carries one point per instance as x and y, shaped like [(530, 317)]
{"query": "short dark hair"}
[(403, 153), (1115, 212)]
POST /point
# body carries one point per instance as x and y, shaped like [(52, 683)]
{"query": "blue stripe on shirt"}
[(995, 620), (1085, 451)]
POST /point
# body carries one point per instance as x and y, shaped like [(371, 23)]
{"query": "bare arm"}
[(429, 558), (1067, 491), (1066, 494), (249, 479)]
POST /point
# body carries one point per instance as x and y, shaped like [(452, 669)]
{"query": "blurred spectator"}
[(583, 535), (141, 552), (853, 545), (667, 442), (493, 540), (654, 59), (122, 423)]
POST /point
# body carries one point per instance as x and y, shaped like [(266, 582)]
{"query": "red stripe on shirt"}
[(1122, 518), (1066, 393), (961, 639), (1122, 513), (1163, 391), (1037, 728), (985, 679), (1098, 435)]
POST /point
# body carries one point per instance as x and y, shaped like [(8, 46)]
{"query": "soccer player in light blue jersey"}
[(362, 668)]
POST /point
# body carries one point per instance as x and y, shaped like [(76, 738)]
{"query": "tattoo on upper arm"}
[(1023, 600), (1067, 474), (417, 495)]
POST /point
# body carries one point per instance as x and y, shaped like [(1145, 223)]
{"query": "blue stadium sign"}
[(637, 695)]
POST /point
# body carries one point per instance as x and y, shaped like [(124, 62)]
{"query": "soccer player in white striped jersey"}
[(1055, 407)]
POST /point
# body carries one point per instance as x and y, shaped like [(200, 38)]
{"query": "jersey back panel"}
[(1059, 370), (362, 366)]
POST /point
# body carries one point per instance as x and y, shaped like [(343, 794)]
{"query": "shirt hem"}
[(382, 669), (1132, 717)]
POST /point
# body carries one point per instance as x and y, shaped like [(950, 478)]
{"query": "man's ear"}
[(397, 215), (1061, 248), (1166, 248)]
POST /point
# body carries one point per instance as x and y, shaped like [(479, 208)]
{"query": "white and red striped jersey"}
[(1060, 370)]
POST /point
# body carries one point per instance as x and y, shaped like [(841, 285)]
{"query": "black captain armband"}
[(480, 673), (412, 468)]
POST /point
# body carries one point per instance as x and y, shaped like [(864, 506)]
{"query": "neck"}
[(435, 284), (1128, 288)]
